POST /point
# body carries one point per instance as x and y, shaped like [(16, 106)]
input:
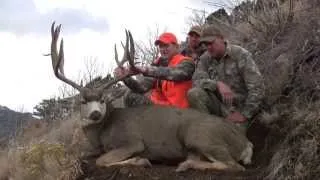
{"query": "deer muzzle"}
[(95, 113)]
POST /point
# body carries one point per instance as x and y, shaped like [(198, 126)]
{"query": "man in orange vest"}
[(168, 78)]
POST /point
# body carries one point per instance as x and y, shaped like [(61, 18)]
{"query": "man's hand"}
[(236, 117), (129, 71), (226, 93), (123, 71)]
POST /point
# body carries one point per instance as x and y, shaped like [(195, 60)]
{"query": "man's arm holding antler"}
[(125, 73), (182, 72), (140, 85)]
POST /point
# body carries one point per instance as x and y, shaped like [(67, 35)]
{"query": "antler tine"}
[(116, 56), (58, 57), (132, 50), (128, 56), (125, 54), (122, 45)]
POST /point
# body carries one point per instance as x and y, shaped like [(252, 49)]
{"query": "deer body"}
[(164, 134), (143, 124), (133, 136)]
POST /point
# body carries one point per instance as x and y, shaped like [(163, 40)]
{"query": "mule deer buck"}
[(143, 134)]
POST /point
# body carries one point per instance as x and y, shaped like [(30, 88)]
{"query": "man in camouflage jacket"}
[(227, 82), (192, 48), (159, 71)]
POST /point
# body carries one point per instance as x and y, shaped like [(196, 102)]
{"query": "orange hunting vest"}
[(171, 92)]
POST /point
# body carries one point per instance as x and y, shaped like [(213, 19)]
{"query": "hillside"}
[(11, 123), (284, 38)]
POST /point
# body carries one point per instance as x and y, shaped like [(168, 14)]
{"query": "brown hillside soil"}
[(256, 133), (163, 173)]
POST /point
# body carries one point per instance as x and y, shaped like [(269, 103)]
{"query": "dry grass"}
[(46, 161), (287, 52), (298, 155), (4, 169), (285, 43), (50, 156)]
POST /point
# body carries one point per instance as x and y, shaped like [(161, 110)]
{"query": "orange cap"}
[(166, 38)]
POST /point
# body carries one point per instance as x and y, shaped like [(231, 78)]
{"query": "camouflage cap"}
[(195, 29), (209, 33)]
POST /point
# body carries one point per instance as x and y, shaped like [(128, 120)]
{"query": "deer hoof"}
[(143, 162)]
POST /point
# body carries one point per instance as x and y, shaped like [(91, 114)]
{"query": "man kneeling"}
[(227, 82)]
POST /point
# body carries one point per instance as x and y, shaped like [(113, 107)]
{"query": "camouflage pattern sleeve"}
[(201, 78), (254, 84), (181, 72), (141, 85)]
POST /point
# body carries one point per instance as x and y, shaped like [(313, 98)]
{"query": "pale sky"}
[(90, 28)]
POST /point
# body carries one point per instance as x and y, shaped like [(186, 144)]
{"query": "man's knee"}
[(196, 94), (132, 99), (204, 101), (198, 99)]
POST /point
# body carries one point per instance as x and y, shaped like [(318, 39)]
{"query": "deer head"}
[(95, 105)]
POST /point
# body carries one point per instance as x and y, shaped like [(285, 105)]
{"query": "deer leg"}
[(135, 161), (214, 150), (120, 154), (201, 165), (187, 164), (246, 155), (222, 158), (194, 162)]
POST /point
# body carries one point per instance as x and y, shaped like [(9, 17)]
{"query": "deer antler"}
[(58, 57), (128, 55)]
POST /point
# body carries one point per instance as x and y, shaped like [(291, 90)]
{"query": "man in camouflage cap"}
[(193, 48), (168, 78), (227, 81)]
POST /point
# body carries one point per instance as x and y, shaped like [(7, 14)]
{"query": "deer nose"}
[(95, 115)]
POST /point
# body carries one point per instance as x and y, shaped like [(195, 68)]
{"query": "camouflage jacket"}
[(186, 51), (161, 71), (238, 70)]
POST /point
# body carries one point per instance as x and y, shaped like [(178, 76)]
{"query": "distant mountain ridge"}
[(11, 122)]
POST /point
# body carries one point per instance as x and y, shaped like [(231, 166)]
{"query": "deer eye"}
[(102, 101)]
